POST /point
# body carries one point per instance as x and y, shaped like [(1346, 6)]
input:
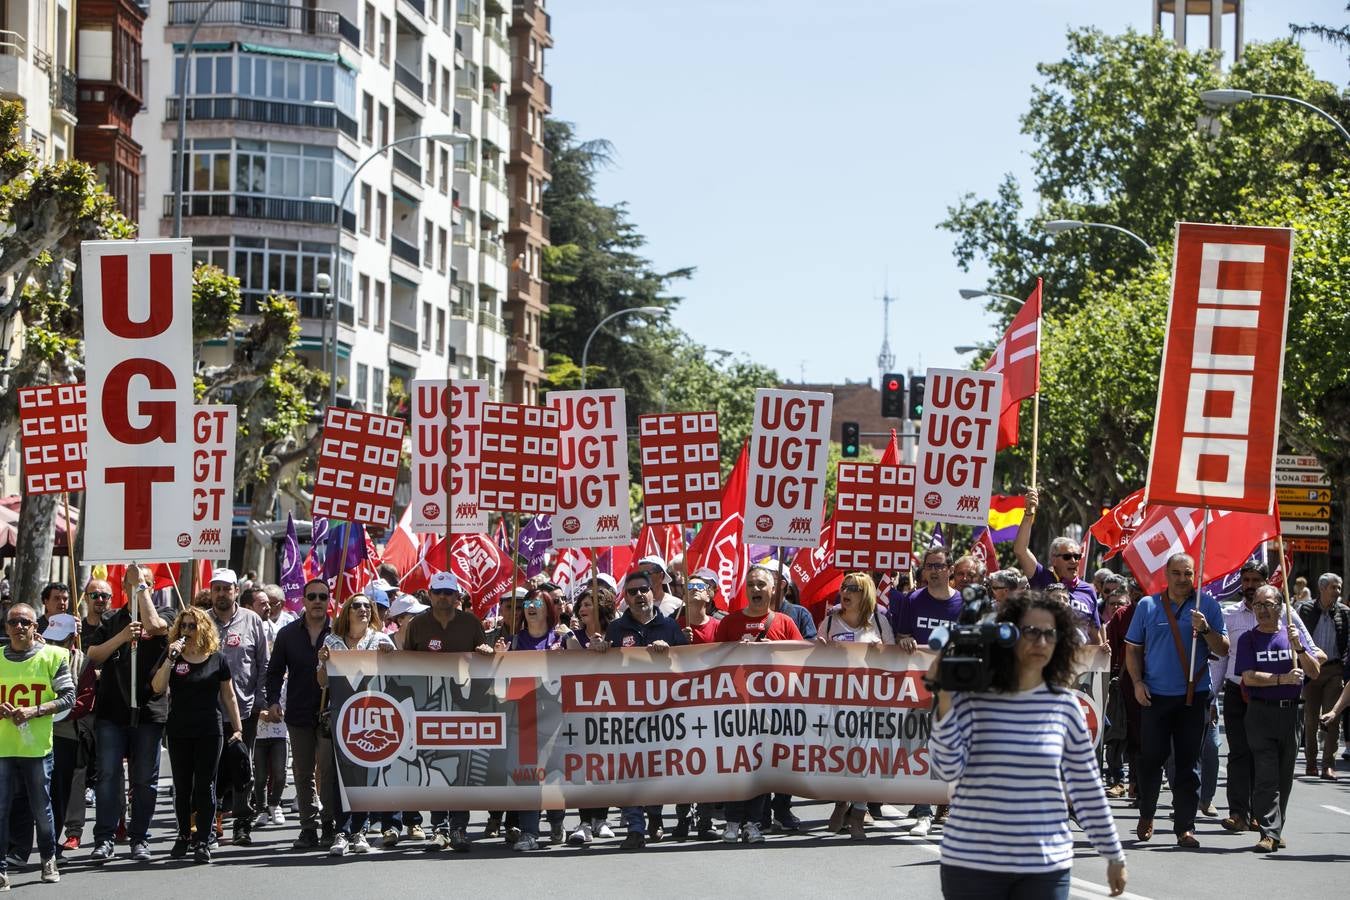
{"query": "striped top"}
[(1013, 756)]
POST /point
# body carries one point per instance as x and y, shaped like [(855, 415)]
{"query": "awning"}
[(205, 47)]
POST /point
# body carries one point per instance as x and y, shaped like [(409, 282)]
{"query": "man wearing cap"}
[(784, 597), (244, 645), (445, 628), (658, 573)]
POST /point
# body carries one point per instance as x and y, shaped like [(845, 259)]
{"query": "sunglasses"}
[(1264, 604), (851, 588), (100, 595), (534, 604), (1075, 557), (442, 592), (314, 598), (934, 567), (360, 604), (20, 623), (1032, 634), (637, 591), (697, 585)]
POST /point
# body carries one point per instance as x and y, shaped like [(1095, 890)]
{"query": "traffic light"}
[(916, 386), (849, 438), (892, 396)]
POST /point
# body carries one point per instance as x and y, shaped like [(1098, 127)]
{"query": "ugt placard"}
[(592, 468), (53, 425), (445, 427), (213, 434), (957, 440), (681, 468), (789, 458), (138, 370), (358, 466)]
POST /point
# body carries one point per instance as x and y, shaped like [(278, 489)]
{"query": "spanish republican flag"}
[(1005, 515)]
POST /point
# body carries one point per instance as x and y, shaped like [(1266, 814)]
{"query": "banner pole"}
[(515, 566), (342, 566), (182, 603), (1199, 587), (1035, 434), (1284, 582), (445, 472), (135, 618), (76, 598)]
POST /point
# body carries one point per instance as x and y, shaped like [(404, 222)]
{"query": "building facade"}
[(37, 53)]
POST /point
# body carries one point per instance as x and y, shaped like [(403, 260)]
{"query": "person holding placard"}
[(595, 610), (1064, 556)]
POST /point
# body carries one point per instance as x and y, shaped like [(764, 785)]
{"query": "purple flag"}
[(938, 540), (292, 572), (356, 549), (1227, 587), (536, 539)]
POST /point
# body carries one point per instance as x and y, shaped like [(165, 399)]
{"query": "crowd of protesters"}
[(235, 686)]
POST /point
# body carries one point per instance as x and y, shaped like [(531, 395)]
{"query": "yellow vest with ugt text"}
[(29, 683)]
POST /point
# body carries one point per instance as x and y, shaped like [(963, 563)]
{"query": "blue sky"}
[(800, 154)]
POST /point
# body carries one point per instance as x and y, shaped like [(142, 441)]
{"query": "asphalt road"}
[(810, 864)]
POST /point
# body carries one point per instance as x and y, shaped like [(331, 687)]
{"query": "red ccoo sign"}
[(681, 468), (53, 424), (873, 517), (518, 459), (358, 466)]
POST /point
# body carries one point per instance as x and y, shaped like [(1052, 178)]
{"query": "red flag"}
[(817, 579), (572, 566), (1166, 530), (719, 545), (672, 541), (647, 544), (482, 569), (430, 560), (1115, 528), (983, 550), (404, 548), (1018, 357), (891, 456)]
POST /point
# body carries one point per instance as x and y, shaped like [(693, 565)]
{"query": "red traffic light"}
[(893, 385)]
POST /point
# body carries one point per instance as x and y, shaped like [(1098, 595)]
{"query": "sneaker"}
[(240, 837), (15, 861), (389, 837), (526, 842), (654, 833), (213, 841), (582, 836), (4, 882), (103, 852), (752, 834), (278, 817), (339, 847), (1116, 791), (140, 851), (416, 833), (307, 840), (180, 847), (556, 834), (71, 843), (681, 830), (263, 819), (494, 825), (601, 829), (49, 873), (635, 840), (459, 841), (922, 826), (733, 833), (202, 852), (440, 839), (359, 843)]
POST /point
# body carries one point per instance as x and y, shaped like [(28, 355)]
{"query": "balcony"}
[(401, 335), (405, 251), (419, 6), (65, 89), (470, 14), (270, 112), (407, 165), (270, 16), (243, 206), (409, 79), (519, 351)]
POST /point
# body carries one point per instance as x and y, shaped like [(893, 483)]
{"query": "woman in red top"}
[(700, 616)]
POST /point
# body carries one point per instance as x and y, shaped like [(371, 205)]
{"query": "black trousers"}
[(1271, 734), (194, 761), (1170, 727), (235, 787), (1240, 766)]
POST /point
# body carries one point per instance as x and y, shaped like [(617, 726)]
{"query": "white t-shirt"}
[(834, 628)]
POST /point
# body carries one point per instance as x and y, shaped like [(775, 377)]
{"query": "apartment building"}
[(37, 50)]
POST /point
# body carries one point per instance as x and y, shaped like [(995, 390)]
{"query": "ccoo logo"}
[(371, 729)]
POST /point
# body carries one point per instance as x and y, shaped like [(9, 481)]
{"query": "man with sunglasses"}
[(295, 662), (1065, 554), (446, 628), (97, 602)]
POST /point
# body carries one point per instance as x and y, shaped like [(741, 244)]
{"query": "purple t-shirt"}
[(523, 640), (1082, 598), (920, 612), (1261, 652)]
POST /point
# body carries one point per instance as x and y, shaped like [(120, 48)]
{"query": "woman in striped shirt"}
[(1014, 753)]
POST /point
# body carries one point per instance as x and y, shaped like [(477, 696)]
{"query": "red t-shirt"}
[(703, 634), (737, 625)]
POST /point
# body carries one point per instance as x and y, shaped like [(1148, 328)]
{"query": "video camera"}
[(963, 650)]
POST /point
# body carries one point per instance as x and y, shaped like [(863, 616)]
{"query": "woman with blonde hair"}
[(197, 678)]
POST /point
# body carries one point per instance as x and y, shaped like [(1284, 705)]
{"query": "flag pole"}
[(182, 603), (135, 619), (1284, 583), (342, 566), (1199, 587), (70, 556)]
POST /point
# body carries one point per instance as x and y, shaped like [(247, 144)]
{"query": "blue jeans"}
[(959, 883), (528, 820), (140, 747), (635, 817), (34, 774)]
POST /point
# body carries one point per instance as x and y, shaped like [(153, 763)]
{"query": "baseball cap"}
[(708, 575), (60, 627), (224, 576), (660, 563), (407, 603), (445, 581), (378, 590), (776, 567)]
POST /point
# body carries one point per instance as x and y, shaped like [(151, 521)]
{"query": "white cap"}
[(660, 563), (224, 576), (583, 585), (407, 603), (60, 627), (378, 590), (707, 575), (445, 581), (776, 567)]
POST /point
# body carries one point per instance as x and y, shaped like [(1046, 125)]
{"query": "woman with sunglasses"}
[(357, 627), (197, 677), (700, 616), (1015, 751), (594, 612)]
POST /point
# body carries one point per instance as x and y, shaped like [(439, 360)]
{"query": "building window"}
[(445, 170), (367, 118), (377, 397), (440, 332), (363, 301), (384, 125), (445, 90), (385, 40), (369, 29), (431, 77), (274, 265), (428, 230), (361, 394), (366, 204), (381, 216), (379, 306), (431, 165), (426, 325), (442, 240)]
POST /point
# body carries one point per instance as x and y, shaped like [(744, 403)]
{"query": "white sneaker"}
[(922, 826), (263, 820), (441, 839), (526, 842), (339, 847), (732, 834), (752, 833), (360, 844), (50, 875), (600, 828), (582, 836), (278, 817)]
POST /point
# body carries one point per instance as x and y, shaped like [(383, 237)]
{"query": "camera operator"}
[(1030, 715)]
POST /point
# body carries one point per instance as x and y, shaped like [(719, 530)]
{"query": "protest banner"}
[(483, 570), (681, 468), (1217, 424), (213, 435), (592, 506), (53, 425), (873, 517), (957, 441), (445, 426), (789, 460), (358, 466), (518, 459), (705, 723), (138, 371), (1167, 530), (720, 545)]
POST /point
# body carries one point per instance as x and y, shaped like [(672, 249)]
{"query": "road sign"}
[(1303, 478), (1302, 495), (1305, 511), (1305, 529), (1285, 461), (1308, 545)]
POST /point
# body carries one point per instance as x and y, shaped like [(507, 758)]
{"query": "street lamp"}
[(970, 294), (586, 348), (1055, 226), (337, 236), (966, 348), (1230, 97)]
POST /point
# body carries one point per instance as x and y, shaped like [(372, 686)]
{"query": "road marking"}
[(1336, 809)]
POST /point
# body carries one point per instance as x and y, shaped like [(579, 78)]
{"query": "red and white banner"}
[(358, 466), (957, 442), (213, 435), (446, 425), (592, 468), (1017, 357), (814, 574), (138, 370), (53, 425), (1167, 530), (1217, 425), (1118, 524), (518, 459), (789, 461), (720, 545), (873, 517), (681, 468), (481, 568)]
